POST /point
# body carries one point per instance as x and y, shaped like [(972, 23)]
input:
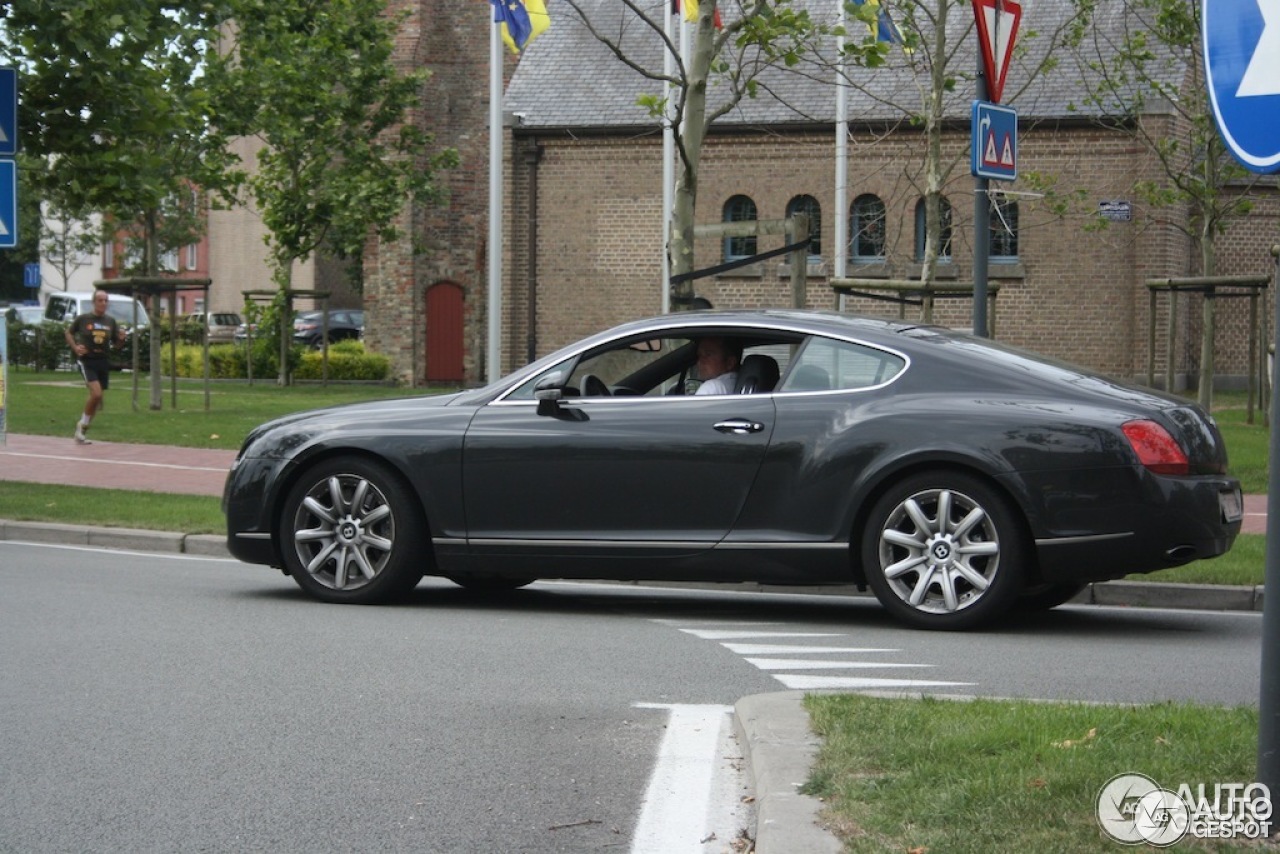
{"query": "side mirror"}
[(549, 391)]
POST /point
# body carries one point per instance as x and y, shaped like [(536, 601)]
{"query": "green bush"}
[(347, 361), (41, 347)]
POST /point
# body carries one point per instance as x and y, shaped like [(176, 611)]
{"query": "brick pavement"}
[(156, 468)]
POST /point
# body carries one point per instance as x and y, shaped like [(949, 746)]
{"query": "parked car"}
[(64, 307), (343, 324), (957, 478), (24, 315), (222, 325)]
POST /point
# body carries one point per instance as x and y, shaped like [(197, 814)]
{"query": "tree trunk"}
[(693, 122)]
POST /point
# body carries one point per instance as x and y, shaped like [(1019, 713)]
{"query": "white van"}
[(64, 307)]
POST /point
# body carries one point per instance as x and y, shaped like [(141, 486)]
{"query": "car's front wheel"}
[(353, 533), (944, 550)]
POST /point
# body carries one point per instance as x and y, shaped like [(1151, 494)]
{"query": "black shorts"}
[(96, 370)]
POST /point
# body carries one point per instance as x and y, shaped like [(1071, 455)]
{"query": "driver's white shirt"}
[(722, 384)]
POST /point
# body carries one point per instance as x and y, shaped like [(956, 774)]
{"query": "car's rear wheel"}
[(353, 533), (944, 550)]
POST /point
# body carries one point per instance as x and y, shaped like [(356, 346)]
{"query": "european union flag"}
[(522, 21)]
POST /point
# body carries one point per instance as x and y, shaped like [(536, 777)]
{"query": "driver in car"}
[(718, 361)]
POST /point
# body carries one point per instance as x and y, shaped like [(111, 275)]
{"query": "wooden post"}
[(797, 230)]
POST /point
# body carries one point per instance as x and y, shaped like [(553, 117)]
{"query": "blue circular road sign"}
[(1242, 70)]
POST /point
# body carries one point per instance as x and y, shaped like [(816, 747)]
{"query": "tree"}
[(114, 112), (1150, 54), (931, 37), (341, 150), (753, 39)]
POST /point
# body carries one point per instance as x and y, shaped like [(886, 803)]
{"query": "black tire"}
[(490, 583), (944, 550), (352, 532), (1046, 596)]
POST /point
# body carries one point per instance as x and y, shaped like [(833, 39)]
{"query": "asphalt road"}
[(162, 703)]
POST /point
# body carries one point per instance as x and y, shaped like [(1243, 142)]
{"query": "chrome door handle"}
[(739, 426)]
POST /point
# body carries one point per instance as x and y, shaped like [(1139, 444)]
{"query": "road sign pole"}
[(981, 230), (1269, 687)]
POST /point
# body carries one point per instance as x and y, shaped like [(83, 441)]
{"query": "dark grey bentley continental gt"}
[(957, 478)]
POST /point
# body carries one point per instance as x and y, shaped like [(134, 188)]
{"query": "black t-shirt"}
[(96, 333)]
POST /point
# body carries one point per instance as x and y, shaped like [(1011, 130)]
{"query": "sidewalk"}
[(154, 468)]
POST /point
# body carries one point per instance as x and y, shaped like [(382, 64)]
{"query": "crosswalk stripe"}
[(850, 683), (726, 634), (782, 649), (825, 664)]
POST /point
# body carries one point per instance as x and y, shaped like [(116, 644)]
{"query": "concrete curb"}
[(780, 749), (127, 539)]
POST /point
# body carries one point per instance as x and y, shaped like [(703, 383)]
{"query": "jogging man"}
[(90, 337)]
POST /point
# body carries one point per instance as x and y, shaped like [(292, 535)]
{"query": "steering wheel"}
[(593, 386)]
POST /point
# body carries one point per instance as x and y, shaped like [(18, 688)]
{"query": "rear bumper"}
[(1167, 522)]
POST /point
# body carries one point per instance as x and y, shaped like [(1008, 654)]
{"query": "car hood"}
[(284, 436)]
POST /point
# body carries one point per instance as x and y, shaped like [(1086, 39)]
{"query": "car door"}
[(612, 476)]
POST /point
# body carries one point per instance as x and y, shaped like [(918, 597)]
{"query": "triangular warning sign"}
[(989, 154), (1006, 153)]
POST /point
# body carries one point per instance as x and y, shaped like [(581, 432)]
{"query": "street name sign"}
[(997, 22), (994, 153), (1242, 72)]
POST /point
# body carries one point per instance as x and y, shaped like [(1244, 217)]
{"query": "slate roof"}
[(568, 79)]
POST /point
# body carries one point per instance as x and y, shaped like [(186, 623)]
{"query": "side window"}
[(824, 365), (651, 367)]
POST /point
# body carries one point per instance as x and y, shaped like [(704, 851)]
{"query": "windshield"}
[(122, 311)]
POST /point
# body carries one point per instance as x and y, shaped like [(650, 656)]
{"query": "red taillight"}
[(1156, 449)]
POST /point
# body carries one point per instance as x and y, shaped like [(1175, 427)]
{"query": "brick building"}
[(583, 214)]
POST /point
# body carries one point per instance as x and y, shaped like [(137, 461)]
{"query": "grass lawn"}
[(48, 404), (983, 776)]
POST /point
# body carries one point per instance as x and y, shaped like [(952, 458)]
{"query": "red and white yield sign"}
[(997, 29)]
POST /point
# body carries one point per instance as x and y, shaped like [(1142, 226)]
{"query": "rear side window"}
[(826, 365)]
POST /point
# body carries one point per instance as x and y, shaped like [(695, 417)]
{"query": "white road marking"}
[(726, 634), (776, 649), (824, 664), (674, 814), (853, 683)]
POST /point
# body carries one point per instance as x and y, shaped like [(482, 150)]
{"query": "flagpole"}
[(494, 355), (841, 236), (668, 159)]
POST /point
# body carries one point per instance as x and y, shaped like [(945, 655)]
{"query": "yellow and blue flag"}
[(885, 30), (522, 21)]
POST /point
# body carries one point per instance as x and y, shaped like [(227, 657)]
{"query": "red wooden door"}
[(444, 333)]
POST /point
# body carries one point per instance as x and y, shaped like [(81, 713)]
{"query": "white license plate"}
[(1232, 505)]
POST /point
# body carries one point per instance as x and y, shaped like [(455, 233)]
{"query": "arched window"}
[(739, 209), (1004, 231), (944, 239), (809, 206), (866, 230)]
